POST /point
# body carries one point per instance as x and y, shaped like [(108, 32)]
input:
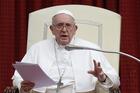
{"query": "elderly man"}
[(79, 71)]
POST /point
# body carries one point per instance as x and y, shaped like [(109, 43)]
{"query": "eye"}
[(59, 24), (68, 25)]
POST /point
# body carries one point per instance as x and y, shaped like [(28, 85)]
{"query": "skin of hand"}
[(98, 72), (27, 86)]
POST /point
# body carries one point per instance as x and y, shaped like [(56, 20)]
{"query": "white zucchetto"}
[(65, 12)]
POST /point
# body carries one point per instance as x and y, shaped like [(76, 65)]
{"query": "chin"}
[(64, 42)]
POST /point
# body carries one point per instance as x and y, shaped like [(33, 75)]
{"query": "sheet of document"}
[(33, 73)]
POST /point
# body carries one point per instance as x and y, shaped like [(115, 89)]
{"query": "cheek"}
[(72, 33), (55, 33)]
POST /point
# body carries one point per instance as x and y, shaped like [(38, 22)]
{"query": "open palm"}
[(97, 71)]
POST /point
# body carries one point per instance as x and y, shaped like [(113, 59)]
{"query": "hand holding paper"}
[(33, 73), (26, 86)]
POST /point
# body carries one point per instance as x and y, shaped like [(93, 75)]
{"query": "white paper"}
[(33, 73)]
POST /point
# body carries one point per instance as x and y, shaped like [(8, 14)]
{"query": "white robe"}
[(44, 54)]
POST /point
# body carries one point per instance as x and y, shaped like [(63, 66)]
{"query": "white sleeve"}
[(29, 57), (17, 79), (113, 79), (112, 76)]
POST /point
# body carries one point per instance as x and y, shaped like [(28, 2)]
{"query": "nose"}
[(64, 29)]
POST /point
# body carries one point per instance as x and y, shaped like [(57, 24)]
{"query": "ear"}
[(52, 29), (76, 27)]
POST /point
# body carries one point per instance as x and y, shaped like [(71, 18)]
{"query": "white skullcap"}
[(65, 12)]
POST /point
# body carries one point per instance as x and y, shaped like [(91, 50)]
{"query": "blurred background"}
[(13, 35)]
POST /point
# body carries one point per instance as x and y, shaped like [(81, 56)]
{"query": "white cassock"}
[(55, 61)]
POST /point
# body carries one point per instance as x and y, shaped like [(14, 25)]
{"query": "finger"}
[(92, 73), (26, 89), (95, 64), (32, 84), (99, 65), (27, 83)]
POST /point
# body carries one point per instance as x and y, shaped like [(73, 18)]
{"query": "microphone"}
[(75, 47)]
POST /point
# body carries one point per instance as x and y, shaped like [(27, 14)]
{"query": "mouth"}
[(64, 39), (64, 36)]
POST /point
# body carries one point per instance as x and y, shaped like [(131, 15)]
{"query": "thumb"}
[(92, 72)]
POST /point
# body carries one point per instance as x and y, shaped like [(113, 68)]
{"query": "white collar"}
[(63, 46)]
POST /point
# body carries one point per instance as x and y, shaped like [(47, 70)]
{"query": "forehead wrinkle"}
[(54, 18)]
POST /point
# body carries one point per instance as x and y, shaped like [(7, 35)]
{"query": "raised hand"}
[(98, 72)]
